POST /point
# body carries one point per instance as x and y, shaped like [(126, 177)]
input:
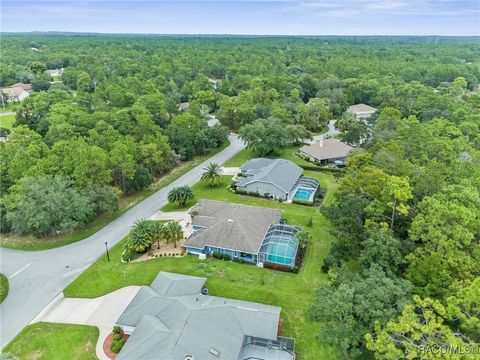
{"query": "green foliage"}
[(140, 239), (48, 205), (221, 256), (351, 303), (117, 345), (304, 238), (117, 329), (212, 174), (421, 332), (302, 202), (352, 130), (7, 356), (40, 85), (181, 195), (264, 136), (3, 287), (173, 232)]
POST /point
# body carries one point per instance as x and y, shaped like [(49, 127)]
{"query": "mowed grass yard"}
[(7, 121), (49, 341), (3, 287), (294, 293)]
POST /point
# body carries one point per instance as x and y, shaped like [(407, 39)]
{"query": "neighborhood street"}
[(37, 277)]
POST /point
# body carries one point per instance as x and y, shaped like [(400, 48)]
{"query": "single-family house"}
[(184, 106), (175, 319), (328, 151), (361, 111), (55, 72), (245, 233), (276, 179), (17, 92)]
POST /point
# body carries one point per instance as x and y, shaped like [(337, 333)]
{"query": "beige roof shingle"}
[(326, 149), (361, 109)]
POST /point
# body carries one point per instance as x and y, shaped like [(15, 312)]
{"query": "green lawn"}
[(3, 287), (7, 121), (202, 191), (285, 153), (30, 242), (48, 341), (11, 106), (293, 292)]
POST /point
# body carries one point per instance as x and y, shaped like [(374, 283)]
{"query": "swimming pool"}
[(304, 194)]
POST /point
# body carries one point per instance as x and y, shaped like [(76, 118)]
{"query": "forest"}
[(404, 271)]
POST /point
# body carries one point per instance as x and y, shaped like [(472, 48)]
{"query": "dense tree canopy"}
[(405, 260)]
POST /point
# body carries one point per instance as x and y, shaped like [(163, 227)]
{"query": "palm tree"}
[(157, 232), (140, 239), (212, 174), (174, 232), (181, 195), (303, 238)]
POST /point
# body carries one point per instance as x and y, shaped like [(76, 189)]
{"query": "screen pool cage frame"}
[(280, 245)]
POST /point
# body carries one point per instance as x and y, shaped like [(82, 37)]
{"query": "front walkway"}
[(101, 312), (230, 170)]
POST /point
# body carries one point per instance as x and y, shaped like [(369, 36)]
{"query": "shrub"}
[(310, 222), (117, 329), (302, 202), (117, 337), (117, 345), (220, 256)]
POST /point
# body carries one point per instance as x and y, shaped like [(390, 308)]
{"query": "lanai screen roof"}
[(280, 245)]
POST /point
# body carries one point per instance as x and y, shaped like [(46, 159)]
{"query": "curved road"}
[(36, 278)]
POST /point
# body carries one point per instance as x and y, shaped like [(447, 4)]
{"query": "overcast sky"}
[(321, 17)]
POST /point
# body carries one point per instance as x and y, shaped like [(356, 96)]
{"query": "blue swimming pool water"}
[(303, 194)]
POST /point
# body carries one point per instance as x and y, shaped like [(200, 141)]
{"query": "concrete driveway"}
[(230, 170), (101, 312), (37, 277)]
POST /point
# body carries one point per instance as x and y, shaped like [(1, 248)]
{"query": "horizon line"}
[(59, 32)]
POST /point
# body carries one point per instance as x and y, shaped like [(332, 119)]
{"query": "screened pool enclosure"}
[(280, 245), (305, 188)]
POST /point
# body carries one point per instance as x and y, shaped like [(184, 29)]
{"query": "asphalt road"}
[(36, 278)]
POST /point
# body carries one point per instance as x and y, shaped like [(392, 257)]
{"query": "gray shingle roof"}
[(193, 324), (231, 226), (326, 149), (280, 172), (171, 284)]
